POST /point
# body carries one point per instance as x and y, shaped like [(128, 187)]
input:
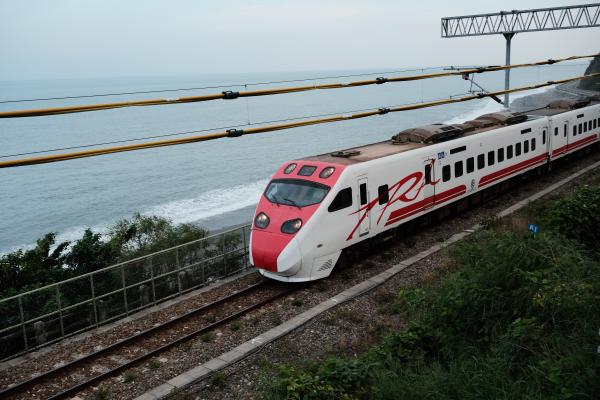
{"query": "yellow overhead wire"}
[(270, 128), (229, 95)]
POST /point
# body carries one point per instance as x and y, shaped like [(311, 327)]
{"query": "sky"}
[(47, 39)]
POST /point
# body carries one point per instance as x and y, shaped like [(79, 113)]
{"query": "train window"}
[(574, 130), (481, 161), (595, 123), (307, 170), (524, 131), (585, 129), (556, 131), (428, 174), (491, 157), (501, 154), (518, 149), (383, 194), (363, 193), (533, 144), (580, 129), (470, 165), (295, 192), (458, 169), (509, 152), (526, 146), (458, 149), (446, 173), (544, 136), (565, 131), (342, 200)]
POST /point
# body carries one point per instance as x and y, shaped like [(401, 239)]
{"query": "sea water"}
[(214, 184)]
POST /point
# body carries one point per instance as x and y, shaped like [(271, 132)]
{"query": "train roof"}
[(427, 135)]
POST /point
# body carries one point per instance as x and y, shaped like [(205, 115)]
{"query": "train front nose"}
[(275, 252)]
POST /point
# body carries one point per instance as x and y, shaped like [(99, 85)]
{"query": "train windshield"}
[(295, 192)]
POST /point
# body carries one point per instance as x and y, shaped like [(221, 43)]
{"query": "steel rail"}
[(22, 386), (275, 127), (230, 95)]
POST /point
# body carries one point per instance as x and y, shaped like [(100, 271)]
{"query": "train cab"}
[(284, 213)]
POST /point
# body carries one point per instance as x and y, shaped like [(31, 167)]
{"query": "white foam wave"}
[(490, 106), (210, 204), (206, 205)]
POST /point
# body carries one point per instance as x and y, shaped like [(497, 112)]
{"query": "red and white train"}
[(315, 207)]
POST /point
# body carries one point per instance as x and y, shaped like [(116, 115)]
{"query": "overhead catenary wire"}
[(273, 121), (275, 127), (231, 95), (218, 86)]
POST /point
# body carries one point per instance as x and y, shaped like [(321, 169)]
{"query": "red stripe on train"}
[(571, 146), (487, 179), (430, 201)]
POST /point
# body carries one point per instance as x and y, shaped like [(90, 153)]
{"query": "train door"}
[(428, 192), (560, 137), (364, 216), (545, 139)]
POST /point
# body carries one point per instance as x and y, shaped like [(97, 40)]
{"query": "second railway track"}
[(75, 376)]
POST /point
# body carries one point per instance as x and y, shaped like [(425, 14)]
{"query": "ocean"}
[(214, 184)]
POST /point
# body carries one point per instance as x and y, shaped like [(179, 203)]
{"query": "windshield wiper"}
[(292, 202)]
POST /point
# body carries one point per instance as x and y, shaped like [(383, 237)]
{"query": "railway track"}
[(92, 368)]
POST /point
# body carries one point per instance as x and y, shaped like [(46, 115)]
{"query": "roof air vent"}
[(569, 104), (428, 134), (345, 153), (505, 117)]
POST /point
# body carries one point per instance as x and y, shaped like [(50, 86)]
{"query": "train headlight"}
[(326, 172), (291, 226), (289, 169), (261, 221)]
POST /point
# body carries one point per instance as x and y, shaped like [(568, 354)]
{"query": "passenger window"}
[(526, 146), (595, 123), (383, 194), (565, 131), (363, 193), (533, 144), (544, 136), (509, 152), (428, 174), (585, 126), (501, 154), (556, 131), (580, 129), (342, 200), (470, 165), (458, 169), (481, 161), (574, 130), (491, 160), (446, 173), (518, 149)]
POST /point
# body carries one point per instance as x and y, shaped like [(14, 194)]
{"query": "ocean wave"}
[(206, 205), (210, 204), (490, 106)]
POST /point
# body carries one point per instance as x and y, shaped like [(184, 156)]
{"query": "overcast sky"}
[(96, 38)]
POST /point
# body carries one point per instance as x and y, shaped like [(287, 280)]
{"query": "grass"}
[(235, 326), (516, 317), (207, 337), (102, 393), (129, 376)]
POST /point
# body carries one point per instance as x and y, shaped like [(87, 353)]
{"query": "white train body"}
[(380, 186)]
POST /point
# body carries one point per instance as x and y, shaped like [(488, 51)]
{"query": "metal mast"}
[(508, 23)]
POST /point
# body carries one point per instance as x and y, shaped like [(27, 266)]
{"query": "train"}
[(315, 207)]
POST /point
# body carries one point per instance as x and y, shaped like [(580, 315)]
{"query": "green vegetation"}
[(49, 262), (519, 319)]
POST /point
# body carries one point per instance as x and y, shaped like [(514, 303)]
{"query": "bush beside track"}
[(519, 318)]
